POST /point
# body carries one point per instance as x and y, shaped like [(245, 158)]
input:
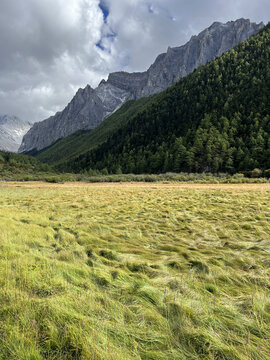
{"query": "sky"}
[(51, 48)]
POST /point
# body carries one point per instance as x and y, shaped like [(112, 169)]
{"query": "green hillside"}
[(11, 164), (82, 141), (215, 119)]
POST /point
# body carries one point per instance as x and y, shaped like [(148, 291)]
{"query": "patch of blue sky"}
[(104, 9), (111, 36), (151, 9), (100, 46), (157, 10)]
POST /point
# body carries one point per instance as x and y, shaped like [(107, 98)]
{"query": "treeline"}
[(11, 164), (217, 119)]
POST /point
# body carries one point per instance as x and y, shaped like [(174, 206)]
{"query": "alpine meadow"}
[(134, 214), (135, 271)]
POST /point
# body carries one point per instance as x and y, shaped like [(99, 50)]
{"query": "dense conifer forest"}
[(11, 163), (216, 119)]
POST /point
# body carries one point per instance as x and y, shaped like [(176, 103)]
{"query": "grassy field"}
[(134, 271)]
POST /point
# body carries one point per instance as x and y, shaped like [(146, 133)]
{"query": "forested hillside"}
[(83, 141), (12, 165), (216, 119)]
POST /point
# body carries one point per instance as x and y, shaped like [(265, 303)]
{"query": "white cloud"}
[(47, 44), (146, 28), (48, 47)]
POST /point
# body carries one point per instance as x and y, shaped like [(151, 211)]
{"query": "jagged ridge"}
[(216, 119), (90, 107), (12, 130)]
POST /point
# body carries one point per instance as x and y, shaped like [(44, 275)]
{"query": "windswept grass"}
[(137, 271)]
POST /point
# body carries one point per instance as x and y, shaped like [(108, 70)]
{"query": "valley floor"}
[(134, 271), (179, 185)]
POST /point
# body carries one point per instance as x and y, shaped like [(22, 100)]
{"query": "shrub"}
[(266, 173), (255, 173)]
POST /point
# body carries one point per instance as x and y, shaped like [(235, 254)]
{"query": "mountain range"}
[(216, 119), (12, 130), (90, 107)]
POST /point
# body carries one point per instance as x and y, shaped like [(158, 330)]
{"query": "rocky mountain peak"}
[(90, 106), (12, 130)]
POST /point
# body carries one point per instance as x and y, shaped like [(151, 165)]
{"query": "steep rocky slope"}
[(12, 130), (216, 119), (90, 106)]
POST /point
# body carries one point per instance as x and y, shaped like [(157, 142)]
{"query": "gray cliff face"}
[(90, 106), (209, 44), (12, 130), (85, 111)]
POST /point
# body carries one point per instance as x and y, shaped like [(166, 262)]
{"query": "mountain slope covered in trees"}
[(89, 107), (216, 119), (11, 164), (82, 141)]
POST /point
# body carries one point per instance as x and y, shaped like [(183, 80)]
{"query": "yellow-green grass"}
[(134, 271)]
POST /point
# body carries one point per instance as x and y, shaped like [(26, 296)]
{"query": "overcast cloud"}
[(50, 48)]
